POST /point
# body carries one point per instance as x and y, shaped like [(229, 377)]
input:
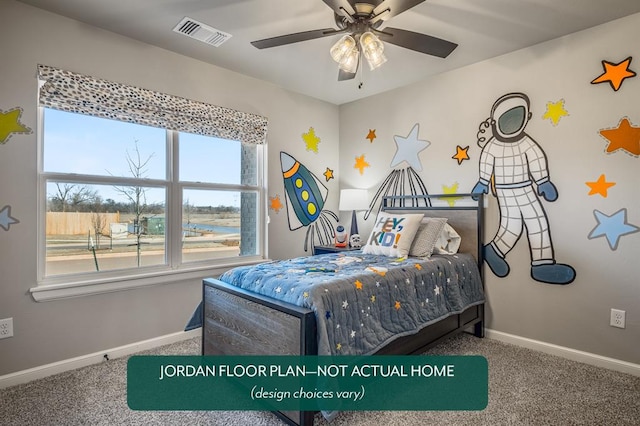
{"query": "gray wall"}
[(449, 108), (57, 330)]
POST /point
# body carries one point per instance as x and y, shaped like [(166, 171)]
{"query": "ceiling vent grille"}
[(202, 32)]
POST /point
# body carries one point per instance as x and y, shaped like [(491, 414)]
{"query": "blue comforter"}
[(364, 301)]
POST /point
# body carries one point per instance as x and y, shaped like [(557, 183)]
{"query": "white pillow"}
[(448, 241), (392, 234), (427, 236)]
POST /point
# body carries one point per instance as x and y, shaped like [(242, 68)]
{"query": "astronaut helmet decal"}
[(509, 116), (355, 241)]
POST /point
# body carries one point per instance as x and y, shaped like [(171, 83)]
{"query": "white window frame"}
[(66, 286)]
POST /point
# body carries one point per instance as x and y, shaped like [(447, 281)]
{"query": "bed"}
[(355, 303)]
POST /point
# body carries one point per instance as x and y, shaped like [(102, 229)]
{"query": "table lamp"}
[(353, 199)]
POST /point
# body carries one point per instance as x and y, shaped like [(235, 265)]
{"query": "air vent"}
[(202, 32)]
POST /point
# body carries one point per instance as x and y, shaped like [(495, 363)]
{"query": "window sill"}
[(56, 290)]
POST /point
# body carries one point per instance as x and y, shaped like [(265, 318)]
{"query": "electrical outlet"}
[(617, 318), (6, 328)]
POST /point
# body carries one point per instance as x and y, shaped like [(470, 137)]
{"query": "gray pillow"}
[(427, 236)]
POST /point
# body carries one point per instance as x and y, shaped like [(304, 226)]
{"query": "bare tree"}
[(72, 195), (98, 222), (136, 195)]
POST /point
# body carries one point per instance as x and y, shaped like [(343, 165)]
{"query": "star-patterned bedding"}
[(364, 301)]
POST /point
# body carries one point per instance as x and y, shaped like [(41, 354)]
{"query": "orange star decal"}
[(461, 154), (615, 73), (371, 135), (361, 164), (328, 174), (397, 305), (600, 186), (625, 136), (358, 284), (275, 203)]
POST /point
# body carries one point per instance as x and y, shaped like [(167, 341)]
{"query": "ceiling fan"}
[(360, 23)]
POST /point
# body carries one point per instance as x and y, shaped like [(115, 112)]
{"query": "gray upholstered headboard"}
[(464, 214)]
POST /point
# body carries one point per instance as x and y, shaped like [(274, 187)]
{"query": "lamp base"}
[(354, 223)]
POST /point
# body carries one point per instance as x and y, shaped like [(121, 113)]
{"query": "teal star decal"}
[(5, 218), (408, 149), (612, 227)]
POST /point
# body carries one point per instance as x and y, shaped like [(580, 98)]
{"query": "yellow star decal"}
[(397, 305), (328, 174), (418, 266), (615, 73), (461, 154), (600, 186), (339, 346), (373, 299), (625, 136), (275, 203), (305, 295), (453, 189), (10, 123), (361, 164), (358, 284), (371, 135), (311, 140), (555, 111)]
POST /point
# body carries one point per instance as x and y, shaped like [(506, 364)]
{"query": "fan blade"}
[(395, 7), (344, 75), (419, 42), (337, 5), (294, 38)]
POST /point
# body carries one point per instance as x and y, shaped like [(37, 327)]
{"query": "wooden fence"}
[(74, 223)]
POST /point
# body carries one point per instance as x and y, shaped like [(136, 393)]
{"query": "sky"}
[(82, 144)]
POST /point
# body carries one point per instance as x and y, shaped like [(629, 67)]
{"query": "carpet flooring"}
[(525, 388)]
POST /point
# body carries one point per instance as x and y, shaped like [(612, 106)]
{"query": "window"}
[(123, 199)]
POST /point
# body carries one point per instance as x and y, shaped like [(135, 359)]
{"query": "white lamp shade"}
[(353, 199)]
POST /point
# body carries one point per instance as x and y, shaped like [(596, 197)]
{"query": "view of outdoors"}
[(107, 192)]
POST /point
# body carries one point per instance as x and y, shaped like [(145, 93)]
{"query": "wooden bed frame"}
[(238, 322)]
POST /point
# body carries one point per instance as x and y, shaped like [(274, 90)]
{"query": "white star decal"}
[(408, 149), (345, 304), (278, 289), (437, 290), (353, 334)]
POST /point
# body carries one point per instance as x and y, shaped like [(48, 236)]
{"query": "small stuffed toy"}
[(355, 241), (342, 238)]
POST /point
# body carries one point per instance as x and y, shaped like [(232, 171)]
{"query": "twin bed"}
[(355, 302)]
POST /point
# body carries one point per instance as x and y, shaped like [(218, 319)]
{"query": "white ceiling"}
[(482, 28)]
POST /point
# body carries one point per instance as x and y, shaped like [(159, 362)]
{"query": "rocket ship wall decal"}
[(305, 194), (305, 198)]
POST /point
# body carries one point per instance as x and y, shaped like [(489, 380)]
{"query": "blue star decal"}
[(612, 227), (5, 218), (327, 314), (407, 149)]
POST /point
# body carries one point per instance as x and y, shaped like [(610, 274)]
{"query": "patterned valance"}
[(68, 91)]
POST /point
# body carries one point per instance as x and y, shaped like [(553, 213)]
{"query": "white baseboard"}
[(43, 371), (564, 352)]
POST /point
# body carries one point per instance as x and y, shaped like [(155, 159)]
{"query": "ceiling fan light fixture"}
[(342, 48), (373, 50), (349, 62)]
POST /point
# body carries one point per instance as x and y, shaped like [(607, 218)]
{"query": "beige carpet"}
[(525, 388)]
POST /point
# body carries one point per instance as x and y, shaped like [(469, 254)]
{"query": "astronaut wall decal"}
[(512, 162)]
